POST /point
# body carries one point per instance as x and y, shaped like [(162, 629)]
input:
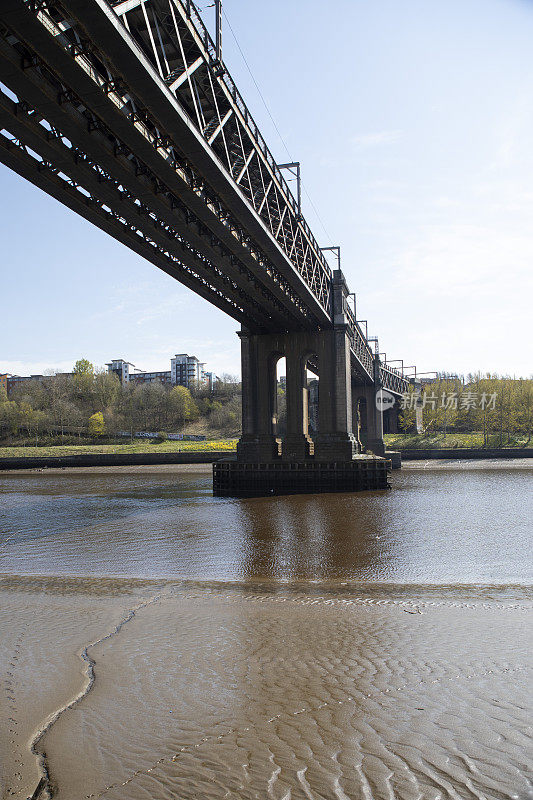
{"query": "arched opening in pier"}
[(279, 395), (360, 422), (312, 395)]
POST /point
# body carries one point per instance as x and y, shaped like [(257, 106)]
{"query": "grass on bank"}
[(138, 446), (436, 441), (393, 441)]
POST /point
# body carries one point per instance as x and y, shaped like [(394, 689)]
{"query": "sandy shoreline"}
[(194, 689)]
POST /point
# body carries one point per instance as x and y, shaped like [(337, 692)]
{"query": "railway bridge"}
[(124, 111)]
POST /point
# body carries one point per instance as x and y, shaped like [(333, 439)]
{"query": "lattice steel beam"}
[(135, 51), (15, 154), (281, 297), (27, 125)]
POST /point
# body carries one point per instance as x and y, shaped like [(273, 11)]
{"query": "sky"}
[(413, 123)]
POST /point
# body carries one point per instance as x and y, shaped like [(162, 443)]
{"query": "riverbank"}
[(404, 442), (467, 453), (128, 689), (110, 460), (120, 448), (113, 460)]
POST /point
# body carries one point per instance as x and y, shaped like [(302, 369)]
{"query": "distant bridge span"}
[(125, 113)]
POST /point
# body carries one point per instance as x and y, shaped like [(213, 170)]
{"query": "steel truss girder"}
[(220, 88), (224, 92), (49, 49), (282, 299), (390, 379), (26, 126), (125, 172), (360, 348), (113, 156), (13, 154), (393, 380)]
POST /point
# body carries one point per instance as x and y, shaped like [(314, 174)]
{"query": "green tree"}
[(105, 389), (407, 415), (226, 417), (82, 380), (183, 407), (524, 416), (57, 393), (9, 417), (83, 367), (96, 424), (441, 403)]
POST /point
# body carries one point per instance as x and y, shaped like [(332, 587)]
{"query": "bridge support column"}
[(335, 440), (372, 425), (330, 351), (390, 420), (258, 443)]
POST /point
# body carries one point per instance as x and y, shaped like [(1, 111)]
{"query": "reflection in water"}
[(316, 536), (435, 526)]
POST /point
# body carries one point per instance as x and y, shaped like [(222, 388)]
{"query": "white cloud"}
[(376, 139), (464, 294), (454, 259), (35, 367)]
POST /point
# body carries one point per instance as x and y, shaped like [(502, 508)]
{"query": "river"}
[(437, 525)]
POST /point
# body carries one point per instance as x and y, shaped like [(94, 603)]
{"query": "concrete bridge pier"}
[(335, 440), (328, 354), (259, 442), (371, 422), (297, 462), (368, 418), (390, 420), (297, 445)]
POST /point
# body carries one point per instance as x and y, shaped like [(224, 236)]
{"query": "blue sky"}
[(413, 122)]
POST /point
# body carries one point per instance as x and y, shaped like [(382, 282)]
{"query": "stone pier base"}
[(233, 478)]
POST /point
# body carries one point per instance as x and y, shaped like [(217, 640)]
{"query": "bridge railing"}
[(393, 379), (243, 108), (360, 346), (230, 136)]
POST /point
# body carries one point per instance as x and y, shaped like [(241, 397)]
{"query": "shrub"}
[(96, 424)]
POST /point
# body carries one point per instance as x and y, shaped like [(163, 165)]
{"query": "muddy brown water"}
[(156, 642)]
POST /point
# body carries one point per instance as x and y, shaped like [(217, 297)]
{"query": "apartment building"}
[(185, 370)]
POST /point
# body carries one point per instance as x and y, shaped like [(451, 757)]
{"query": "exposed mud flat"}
[(145, 689), (469, 464)]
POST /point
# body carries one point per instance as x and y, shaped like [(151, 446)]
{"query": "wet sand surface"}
[(251, 692), (288, 679)]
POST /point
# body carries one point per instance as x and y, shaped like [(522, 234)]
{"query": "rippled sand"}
[(143, 689)]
